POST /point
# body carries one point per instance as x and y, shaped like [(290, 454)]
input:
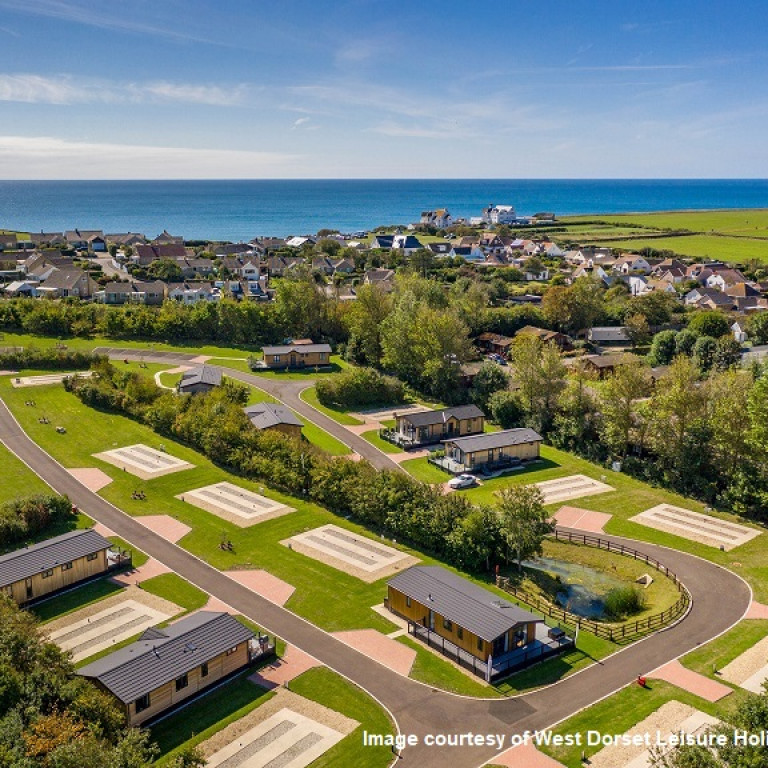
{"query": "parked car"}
[(462, 481), (497, 358)]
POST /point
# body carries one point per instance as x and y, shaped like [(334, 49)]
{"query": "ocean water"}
[(240, 210)]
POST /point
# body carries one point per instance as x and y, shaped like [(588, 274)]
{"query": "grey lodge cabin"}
[(29, 573), (428, 427), (165, 666)]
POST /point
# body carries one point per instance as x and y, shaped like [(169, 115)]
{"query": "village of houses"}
[(53, 264)]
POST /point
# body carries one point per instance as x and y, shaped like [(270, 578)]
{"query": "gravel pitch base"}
[(696, 527), (669, 718), (571, 487), (235, 504), (116, 605), (143, 461), (359, 556), (48, 378), (750, 669), (283, 699)]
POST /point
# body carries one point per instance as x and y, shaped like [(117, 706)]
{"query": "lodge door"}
[(28, 583)]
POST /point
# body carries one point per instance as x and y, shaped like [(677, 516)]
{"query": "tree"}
[(505, 409), (638, 330), (663, 348), (540, 375), (523, 521), (730, 419), (575, 307), (704, 352), (630, 382), (164, 269), (685, 341), (489, 379), (710, 323), (656, 307), (727, 353), (757, 327), (364, 322)]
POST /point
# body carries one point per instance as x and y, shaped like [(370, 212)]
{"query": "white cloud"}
[(67, 89), (48, 157), (298, 123)]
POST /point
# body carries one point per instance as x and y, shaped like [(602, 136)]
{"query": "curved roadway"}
[(720, 599)]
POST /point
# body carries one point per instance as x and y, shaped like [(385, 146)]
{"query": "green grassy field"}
[(17, 478), (309, 396), (731, 235), (373, 438), (724, 649), (422, 470)]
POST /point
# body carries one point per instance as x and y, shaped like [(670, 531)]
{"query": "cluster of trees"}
[(24, 518), (51, 718), (46, 358), (360, 387), (471, 537), (706, 339), (700, 431)]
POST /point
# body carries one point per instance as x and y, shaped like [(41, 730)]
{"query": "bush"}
[(710, 323), (24, 518), (624, 601), (48, 358), (360, 387), (505, 409)]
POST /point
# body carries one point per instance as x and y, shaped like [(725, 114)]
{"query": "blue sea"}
[(240, 210)]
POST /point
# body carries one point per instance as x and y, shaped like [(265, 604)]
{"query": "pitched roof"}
[(265, 415), (162, 655), (469, 606), (64, 278), (425, 418), (205, 374), (501, 439), (27, 562), (302, 349), (618, 333)]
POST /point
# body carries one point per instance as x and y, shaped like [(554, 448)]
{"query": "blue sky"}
[(367, 88)]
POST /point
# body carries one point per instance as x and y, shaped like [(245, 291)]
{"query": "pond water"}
[(583, 588)]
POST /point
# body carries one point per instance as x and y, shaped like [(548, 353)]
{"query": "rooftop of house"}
[(477, 610), (265, 415), (25, 563), (162, 655), (204, 374), (301, 349), (427, 418), (501, 439), (608, 334)]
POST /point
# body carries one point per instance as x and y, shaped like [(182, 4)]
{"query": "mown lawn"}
[(309, 396), (724, 649), (373, 438), (618, 713), (207, 716), (17, 479), (730, 249), (332, 691), (75, 599), (422, 470)]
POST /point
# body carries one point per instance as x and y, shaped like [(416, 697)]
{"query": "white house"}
[(499, 214), (632, 263), (440, 218), (738, 333)]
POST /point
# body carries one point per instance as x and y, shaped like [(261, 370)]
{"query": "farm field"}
[(730, 249), (753, 221)]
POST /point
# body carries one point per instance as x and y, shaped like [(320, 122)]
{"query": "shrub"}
[(623, 601), (360, 387), (26, 517)]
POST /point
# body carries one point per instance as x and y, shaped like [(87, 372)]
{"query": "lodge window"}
[(276, 358), (479, 643), (204, 669), (46, 574), (460, 633), (182, 682), (232, 650), (66, 566), (142, 703), (448, 625), (92, 556), (407, 602)]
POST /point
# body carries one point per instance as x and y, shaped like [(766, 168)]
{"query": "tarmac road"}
[(720, 598)]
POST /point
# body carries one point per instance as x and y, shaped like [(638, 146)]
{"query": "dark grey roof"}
[(475, 609), (302, 349), (205, 374), (264, 415), (425, 418), (27, 562), (618, 333), (164, 654), (495, 440)]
